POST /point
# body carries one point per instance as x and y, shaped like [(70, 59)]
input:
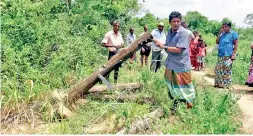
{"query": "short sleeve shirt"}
[(179, 39), (226, 43), (114, 40), (160, 36)]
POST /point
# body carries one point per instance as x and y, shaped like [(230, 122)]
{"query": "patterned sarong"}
[(223, 73), (180, 85)]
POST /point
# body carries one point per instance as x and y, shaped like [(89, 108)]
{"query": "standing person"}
[(191, 36), (249, 81), (129, 40), (201, 55), (156, 51), (113, 42), (193, 49), (178, 64), (145, 50), (228, 42)]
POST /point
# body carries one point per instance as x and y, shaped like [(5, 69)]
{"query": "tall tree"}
[(249, 19)]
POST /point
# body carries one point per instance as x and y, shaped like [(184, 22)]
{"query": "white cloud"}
[(236, 10)]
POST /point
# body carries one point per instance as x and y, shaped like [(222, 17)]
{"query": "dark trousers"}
[(116, 70), (156, 60)]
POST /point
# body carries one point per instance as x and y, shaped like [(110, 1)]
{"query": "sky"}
[(236, 10)]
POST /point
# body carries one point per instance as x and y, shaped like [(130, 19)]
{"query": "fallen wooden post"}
[(84, 85), (128, 86), (143, 124), (123, 98)]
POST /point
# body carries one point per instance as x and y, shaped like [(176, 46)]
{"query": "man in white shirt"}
[(156, 51), (129, 40)]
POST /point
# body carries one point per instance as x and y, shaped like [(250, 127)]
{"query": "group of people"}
[(146, 49), (197, 51), (184, 50), (175, 44)]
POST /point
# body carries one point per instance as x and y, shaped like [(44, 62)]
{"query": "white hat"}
[(161, 24)]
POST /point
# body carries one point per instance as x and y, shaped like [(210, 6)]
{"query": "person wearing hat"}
[(156, 51)]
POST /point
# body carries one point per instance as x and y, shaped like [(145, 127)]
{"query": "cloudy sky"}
[(236, 10)]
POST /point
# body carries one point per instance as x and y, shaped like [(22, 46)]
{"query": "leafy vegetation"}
[(51, 44)]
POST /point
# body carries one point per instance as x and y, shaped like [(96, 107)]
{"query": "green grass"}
[(214, 112)]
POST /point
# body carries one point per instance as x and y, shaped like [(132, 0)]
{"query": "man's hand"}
[(118, 47), (158, 43)]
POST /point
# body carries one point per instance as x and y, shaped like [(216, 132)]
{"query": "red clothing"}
[(193, 51), (201, 51)]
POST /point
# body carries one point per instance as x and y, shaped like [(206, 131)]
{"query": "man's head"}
[(175, 20), (145, 28), (160, 26), (226, 26), (184, 24), (131, 30), (116, 26)]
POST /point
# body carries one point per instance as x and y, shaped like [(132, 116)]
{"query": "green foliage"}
[(45, 42), (195, 20), (47, 45), (213, 113)]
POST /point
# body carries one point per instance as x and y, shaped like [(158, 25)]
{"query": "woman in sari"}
[(249, 81), (193, 49)]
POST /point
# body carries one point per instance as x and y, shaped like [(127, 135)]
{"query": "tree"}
[(224, 20), (249, 19), (195, 20), (149, 19)]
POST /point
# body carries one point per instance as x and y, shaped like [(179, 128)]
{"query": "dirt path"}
[(245, 102)]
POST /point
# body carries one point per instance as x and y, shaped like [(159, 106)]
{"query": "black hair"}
[(228, 24), (175, 14), (200, 39), (183, 23)]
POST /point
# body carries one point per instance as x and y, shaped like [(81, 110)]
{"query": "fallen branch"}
[(144, 124)]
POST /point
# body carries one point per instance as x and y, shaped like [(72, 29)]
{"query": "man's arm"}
[(183, 43), (170, 49), (105, 42)]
